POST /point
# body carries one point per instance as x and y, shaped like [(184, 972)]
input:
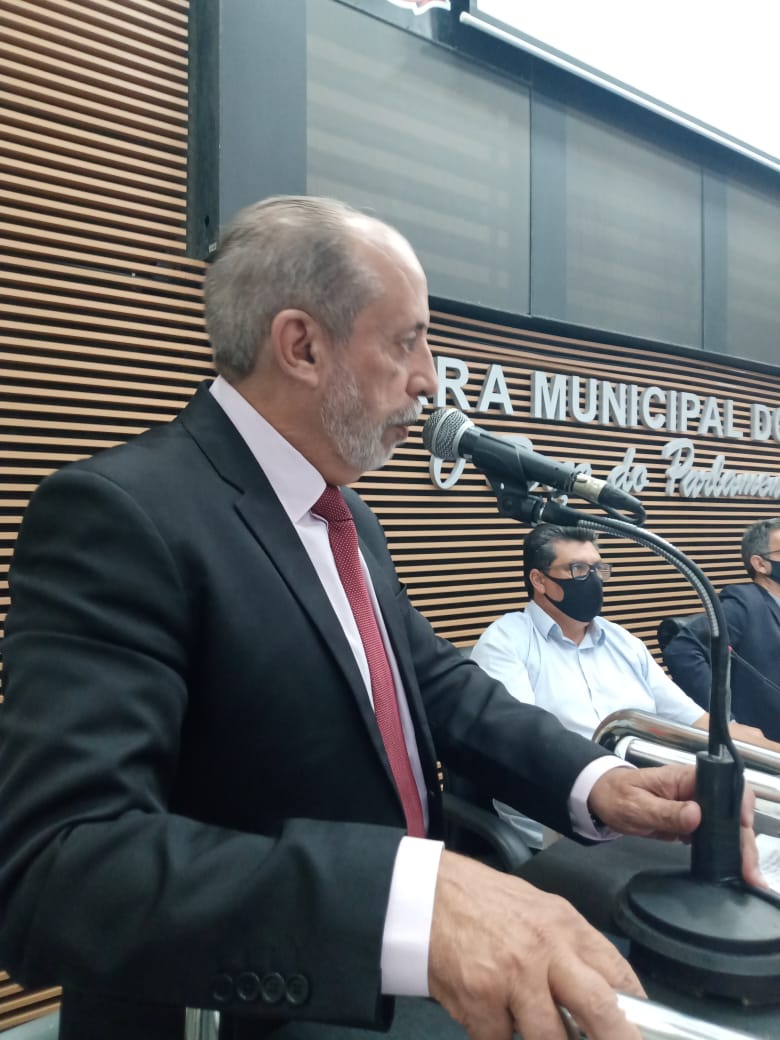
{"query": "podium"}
[(591, 877)]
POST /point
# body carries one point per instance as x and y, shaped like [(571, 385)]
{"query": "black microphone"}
[(449, 435)]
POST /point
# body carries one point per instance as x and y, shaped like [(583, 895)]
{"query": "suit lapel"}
[(269, 524), (771, 603)]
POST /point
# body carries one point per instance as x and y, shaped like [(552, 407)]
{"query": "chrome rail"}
[(673, 734), (654, 1021), (658, 1022), (201, 1024), (646, 740), (644, 752)]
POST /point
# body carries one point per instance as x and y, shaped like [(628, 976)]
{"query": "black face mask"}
[(774, 570), (582, 599)]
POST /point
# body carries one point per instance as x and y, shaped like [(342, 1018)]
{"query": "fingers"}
[(684, 818), (493, 1023), (748, 807), (664, 818), (654, 802), (504, 956), (586, 992), (688, 818), (751, 872), (540, 1018), (659, 803), (598, 1013)]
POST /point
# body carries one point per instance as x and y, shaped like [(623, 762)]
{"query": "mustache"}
[(407, 416)]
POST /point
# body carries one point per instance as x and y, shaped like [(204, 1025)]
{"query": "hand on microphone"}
[(659, 803)]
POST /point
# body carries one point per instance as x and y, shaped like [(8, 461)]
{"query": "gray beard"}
[(356, 438)]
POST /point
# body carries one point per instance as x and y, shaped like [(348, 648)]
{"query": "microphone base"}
[(702, 937)]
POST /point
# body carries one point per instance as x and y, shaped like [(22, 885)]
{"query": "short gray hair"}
[(286, 251), (755, 541)]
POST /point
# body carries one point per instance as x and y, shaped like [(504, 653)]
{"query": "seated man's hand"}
[(752, 735), (504, 956), (659, 803)]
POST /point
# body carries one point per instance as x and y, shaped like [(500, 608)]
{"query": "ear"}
[(299, 345), (758, 563), (537, 579)]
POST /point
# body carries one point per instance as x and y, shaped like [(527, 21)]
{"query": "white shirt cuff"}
[(579, 814), (407, 933)]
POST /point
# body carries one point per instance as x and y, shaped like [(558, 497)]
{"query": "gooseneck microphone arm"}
[(703, 930), (716, 851)]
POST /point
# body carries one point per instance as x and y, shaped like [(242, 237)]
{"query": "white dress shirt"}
[(298, 486)]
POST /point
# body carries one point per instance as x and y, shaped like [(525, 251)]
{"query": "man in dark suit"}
[(200, 807), (752, 613)]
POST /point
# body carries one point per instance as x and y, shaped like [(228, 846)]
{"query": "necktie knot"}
[(331, 505)]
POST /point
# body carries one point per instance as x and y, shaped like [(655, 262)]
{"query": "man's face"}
[(566, 553), (376, 378), (764, 566)]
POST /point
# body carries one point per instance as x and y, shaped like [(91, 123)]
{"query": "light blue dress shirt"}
[(610, 670)]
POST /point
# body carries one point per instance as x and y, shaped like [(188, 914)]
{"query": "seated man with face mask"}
[(752, 611), (561, 655)]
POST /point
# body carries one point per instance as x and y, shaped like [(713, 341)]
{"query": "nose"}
[(424, 378)]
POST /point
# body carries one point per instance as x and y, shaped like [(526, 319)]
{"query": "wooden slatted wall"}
[(101, 329), (101, 334)]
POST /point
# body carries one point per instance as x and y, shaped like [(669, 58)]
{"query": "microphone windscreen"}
[(440, 432)]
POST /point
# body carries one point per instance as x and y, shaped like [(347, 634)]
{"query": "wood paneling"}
[(101, 330)]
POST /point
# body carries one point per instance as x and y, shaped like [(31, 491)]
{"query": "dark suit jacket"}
[(196, 805), (753, 619)]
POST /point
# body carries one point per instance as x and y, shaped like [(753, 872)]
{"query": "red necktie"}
[(344, 544)]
